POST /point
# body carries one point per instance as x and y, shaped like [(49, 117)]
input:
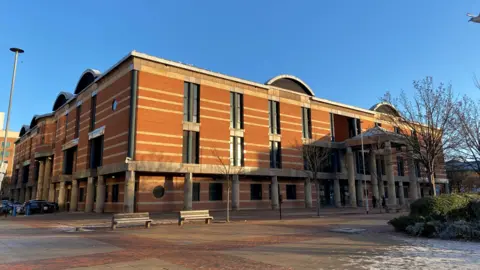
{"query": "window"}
[(191, 94), (378, 124), (396, 130), (359, 162), (291, 192), (236, 110), (380, 166), (215, 191), (236, 151), (93, 108), (306, 123), (332, 127), (190, 147), (7, 153), (115, 191), (418, 172), (400, 166), (106, 193), (275, 155), (81, 195), (77, 124), (7, 145), (255, 192), (66, 126), (274, 116), (114, 105), (353, 127), (68, 160), (96, 152), (26, 170), (196, 192)]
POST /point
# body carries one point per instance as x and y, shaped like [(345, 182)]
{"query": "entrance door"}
[(67, 199)]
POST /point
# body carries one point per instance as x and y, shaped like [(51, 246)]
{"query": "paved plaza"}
[(253, 240)]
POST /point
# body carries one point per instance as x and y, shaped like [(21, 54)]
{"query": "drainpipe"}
[(133, 114)]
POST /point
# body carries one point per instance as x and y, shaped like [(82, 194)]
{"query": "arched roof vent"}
[(87, 78), (23, 130), (385, 107), (61, 99), (291, 83)]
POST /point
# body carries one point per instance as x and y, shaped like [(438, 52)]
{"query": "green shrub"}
[(440, 207), (401, 223), (474, 210)]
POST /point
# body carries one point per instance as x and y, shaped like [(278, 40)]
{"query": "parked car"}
[(39, 206)]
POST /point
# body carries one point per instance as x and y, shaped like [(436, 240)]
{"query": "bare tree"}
[(227, 169), (426, 123), (468, 116), (316, 159)]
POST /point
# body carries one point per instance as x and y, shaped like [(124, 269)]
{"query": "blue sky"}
[(346, 51)]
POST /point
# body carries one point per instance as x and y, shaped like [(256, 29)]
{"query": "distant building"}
[(9, 151), (155, 135), (463, 176)]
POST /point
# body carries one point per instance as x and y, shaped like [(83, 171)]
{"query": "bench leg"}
[(207, 221), (180, 222), (114, 226), (147, 224)]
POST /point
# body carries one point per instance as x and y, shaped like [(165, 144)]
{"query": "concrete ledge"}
[(43, 154), (85, 174)]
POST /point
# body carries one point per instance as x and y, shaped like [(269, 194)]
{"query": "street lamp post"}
[(3, 168), (365, 189)]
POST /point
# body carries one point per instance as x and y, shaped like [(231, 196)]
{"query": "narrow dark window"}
[(255, 192), (236, 151), (306, 123), (196, 192), (190, 147), (77, 124), (115, 192), (81, 195), (69, 160), (418, 172), (215, 191), (274, 116), (66, 126), (396, 130), (358, 125), (93, 110), (291, 192), (332, 127), (106, 193), (400, 166), (236, 110), (96, 152), (378, 124), (275, 155), (191, 106)]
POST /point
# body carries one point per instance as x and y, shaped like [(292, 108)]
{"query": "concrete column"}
[(392, 200), (28, 194), (336, 192), (90, 194), (100, 201), (413, 192), (47, 179), (61, 196), (188, 191), (274, 192), (359, 191), (401, 194), (22, 195), (74, 196), (447, 188), (41, 176), (51, 193), (236, 192), (308, 192), (351, 178), (17, 195), (373, 174), (129, 193)]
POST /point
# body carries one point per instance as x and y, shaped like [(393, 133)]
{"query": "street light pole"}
[(3, 168), (365, 189)]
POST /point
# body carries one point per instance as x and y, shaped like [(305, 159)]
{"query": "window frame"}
[(191, 102), (196, 192), (306, 123), (115, 192), (219, 193), (274, 117), (191, 147), (288, 190), (275, 155), (256, 192), (236, 110)]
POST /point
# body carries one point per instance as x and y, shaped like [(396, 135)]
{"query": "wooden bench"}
[(194, 215), (131, 218)]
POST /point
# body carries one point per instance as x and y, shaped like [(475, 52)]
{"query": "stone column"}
[(188, 191), (308, 192), (22, 195), (336, 192), (61, 196), (392, 200), (33, 196), (359, 191), (373, 174), (90, 194), (28, 194), (401, 194), (100, 201), (351, 178), (41, 176), (129, 192), (17, 195), (236, 192), (413, 192), (47, 179), (51, 193), (274, 192), (74, 196)]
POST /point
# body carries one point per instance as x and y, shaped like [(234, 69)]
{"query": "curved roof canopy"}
[(385, 107), (292, 83), (87, 78), (23, 130), (34, 121), (61, 99)]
